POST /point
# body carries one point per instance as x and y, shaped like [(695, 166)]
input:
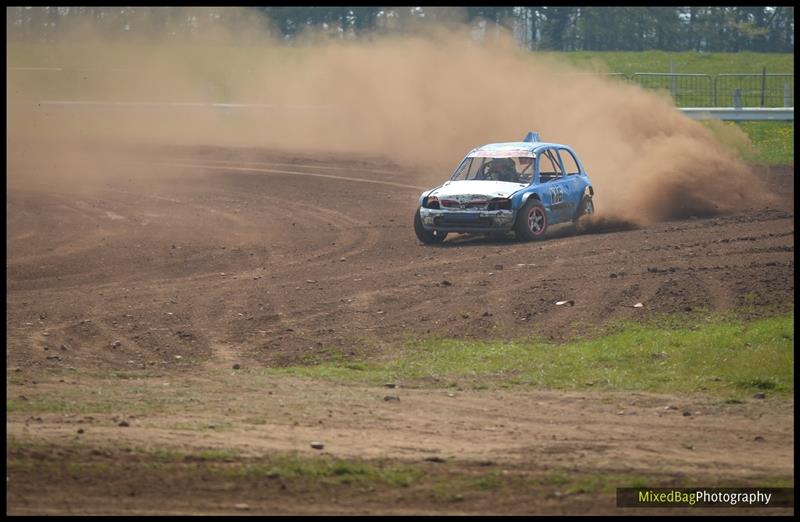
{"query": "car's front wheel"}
[(429, 237), (531, 221), (585, 208)]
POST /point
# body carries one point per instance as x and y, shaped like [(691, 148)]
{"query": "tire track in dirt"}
[(363, 237), (362, 240), (293, 173), (286, 289), (241, 163), (350, 241), (652, 288)]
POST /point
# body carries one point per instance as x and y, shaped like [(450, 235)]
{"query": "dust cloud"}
[(421, 100)]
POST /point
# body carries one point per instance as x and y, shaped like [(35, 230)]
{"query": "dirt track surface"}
[(516, 435), (216, 255), (200, 258)]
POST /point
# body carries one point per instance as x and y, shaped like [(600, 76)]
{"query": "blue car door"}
[(573, 184), (556, 186)]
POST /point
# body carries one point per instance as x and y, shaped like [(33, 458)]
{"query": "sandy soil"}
[(224, 256)]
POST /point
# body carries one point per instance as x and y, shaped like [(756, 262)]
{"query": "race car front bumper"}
[(465, 221)]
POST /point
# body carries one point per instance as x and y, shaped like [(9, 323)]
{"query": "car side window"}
[(525, 169), (549, 166), (570, 165)]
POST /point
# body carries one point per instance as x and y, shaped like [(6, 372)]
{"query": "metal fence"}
[(704, 90), (729, 114), (734, 97), (723, 90), (688, 90), (620, 76), (754, 90)]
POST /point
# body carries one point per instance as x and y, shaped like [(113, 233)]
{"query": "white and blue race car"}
[(525, 186)]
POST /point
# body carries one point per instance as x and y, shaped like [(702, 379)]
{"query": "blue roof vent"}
[(532, 137)]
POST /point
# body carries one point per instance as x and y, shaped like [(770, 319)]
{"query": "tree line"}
[(706, 29)]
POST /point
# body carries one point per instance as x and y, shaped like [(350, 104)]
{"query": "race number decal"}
[(556, 195)]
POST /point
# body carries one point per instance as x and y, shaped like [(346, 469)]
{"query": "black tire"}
[(427, 236), (585, 208), (531, 224)]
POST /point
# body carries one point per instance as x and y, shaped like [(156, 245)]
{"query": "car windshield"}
[(514, 170)]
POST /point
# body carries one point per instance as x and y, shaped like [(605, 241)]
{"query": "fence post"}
[(763, 84), (714, 92), (674, 85), (786, 95), (737, 99)]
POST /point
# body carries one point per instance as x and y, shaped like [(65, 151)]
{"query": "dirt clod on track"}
[(222, 259)]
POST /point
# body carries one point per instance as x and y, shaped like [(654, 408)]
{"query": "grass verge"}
[(764, 142), (674, 355), (772, 140), (723, 357), (213, 481)]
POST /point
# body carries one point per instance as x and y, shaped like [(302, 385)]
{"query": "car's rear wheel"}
[(429, 237), (531, 221)]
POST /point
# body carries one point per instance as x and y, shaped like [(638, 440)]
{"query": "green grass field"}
[(768, 142), (676, 355), (724, 357), (684, 62), (773, 141)]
